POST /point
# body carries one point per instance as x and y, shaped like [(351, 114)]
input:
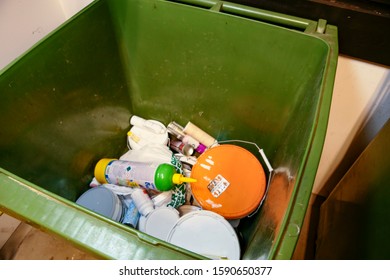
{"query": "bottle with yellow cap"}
[(160, 177)]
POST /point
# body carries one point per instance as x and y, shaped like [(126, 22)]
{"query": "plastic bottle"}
[(144, 132), (142, 201), (160, 177), (154, 126)]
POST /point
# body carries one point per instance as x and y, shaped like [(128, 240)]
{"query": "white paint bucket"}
[(160, 221), (103, 201), (206, 233)]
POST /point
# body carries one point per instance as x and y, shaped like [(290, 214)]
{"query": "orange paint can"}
[(230, 181)]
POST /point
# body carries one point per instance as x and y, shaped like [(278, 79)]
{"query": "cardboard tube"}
[(199, 135)]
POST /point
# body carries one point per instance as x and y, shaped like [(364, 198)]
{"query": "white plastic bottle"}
[(142, 201)]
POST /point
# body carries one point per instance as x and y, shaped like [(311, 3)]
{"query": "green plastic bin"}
[(235, 71)]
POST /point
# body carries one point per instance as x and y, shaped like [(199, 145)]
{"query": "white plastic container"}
[(206, 233), (142, 201), (104, 202), (145, 132), (160, 221), (162, 199)]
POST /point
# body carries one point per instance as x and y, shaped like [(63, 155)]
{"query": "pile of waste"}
[(179, 184)]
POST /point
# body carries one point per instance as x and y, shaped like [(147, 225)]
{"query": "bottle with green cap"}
[(156, 176)]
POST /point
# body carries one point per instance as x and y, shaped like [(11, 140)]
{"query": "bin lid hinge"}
[(217, 7), (321, 26)]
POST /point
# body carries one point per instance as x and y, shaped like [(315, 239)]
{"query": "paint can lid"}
[(206, 233), (230, 181), (102, 201), (160, 221)]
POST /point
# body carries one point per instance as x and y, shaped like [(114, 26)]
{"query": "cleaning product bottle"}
[(155, 176)]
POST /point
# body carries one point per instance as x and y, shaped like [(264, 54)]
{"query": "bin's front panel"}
[(88, 231)]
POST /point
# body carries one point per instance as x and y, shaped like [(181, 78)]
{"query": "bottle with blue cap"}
[(155, 176)]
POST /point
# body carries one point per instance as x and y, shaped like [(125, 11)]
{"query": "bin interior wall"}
[(67, 103), (64, 105), (234, 78)]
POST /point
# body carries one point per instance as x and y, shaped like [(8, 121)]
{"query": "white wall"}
[(70, 7), (360, 92), (25, 22)]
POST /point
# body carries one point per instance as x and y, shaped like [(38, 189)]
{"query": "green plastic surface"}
[(234, 71)]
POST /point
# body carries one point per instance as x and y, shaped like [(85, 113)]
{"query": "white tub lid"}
[(206, 233), (103, 201), (160, 221)]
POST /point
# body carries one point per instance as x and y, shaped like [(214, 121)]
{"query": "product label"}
[(131, 214), (218, 185), (131, 174)]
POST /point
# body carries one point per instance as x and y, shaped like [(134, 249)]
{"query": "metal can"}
[(181, 147)]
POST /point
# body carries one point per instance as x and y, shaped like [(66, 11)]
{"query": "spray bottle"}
[(154, 176)]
